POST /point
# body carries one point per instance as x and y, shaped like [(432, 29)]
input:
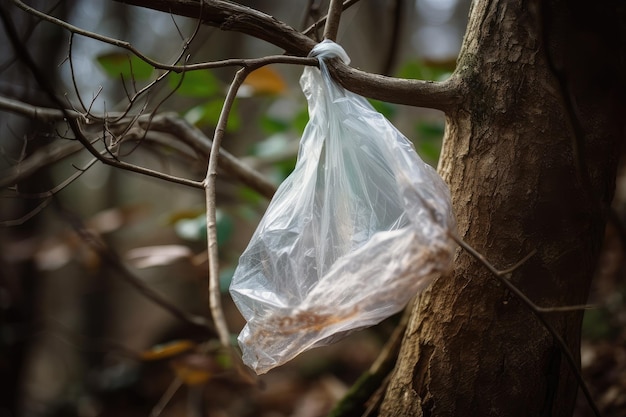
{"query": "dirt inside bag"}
[(359, 227)]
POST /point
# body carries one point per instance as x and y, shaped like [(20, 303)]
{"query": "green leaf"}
[(208, 114), (126, 64), (271, 125), (430, 130), (224, 225), (250, 196), (226, 276), (285, 168), (429, 150), (429, 138), (597, 325), (195, 83), (386, 109), (195, 229), (300, 121), (420, 71)]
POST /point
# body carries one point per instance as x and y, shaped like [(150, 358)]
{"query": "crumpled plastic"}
[(360, 227)]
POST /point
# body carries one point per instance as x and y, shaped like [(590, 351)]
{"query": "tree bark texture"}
[(530, 156)]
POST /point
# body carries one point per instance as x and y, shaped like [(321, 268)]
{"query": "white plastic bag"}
[(358, 228)]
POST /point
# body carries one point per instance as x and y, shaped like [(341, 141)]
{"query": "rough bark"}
[(530, 156)]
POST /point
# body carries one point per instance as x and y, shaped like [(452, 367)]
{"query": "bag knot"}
[(328, 49)]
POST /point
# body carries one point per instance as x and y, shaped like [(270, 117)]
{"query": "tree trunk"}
[(530, 156)]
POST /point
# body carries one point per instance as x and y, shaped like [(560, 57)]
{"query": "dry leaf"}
[(167, 350), (149, 256), (265, 80)]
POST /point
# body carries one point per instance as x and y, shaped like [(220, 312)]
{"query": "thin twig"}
[(443, 96), (159, 65), (98, 245), (346, 5), (112, 161), (195, 138), (165, 122), (113, 260), (372, 381), (59, 187), (311, 10), (502, 276), (394, 38), (166, 397), (74, 29), (42, 114), (26, 217), (209, 183), (74, 84)]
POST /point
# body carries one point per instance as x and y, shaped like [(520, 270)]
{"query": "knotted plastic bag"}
[(358, 228)]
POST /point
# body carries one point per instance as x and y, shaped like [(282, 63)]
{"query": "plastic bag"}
[(358, 228)]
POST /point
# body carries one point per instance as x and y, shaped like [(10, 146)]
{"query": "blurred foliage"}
[(208, 114), (128, 66), (426, 70), (429, 135), (199, 84), (193, 227), (597, 325), (388, 110), (265, 81)]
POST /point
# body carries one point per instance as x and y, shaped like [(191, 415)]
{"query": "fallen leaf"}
[(149, 256), (167, 350), (265, 80)]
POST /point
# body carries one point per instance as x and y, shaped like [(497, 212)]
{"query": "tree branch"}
[(42, 114), (332, 21), (233, 17), (114, 261), (346, 5), (167, 122), (195, 138), (209, 183), (442, 96)]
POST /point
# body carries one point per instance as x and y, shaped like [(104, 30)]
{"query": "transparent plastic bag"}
[(358, 228)]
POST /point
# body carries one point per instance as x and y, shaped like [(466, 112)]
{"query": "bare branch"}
[(47, 196), (332, 21), (370, 386), (168, 123), (74, 29), (169, 393), (231, 16), (346, 5), (394, 39), (32, 213), (442, 96), (113, 260), (209, 183), (195, 138), (76, 129), (71, 62), (311, 11), (42, 114)]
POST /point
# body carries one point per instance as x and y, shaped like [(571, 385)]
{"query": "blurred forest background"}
[(76, 339)]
